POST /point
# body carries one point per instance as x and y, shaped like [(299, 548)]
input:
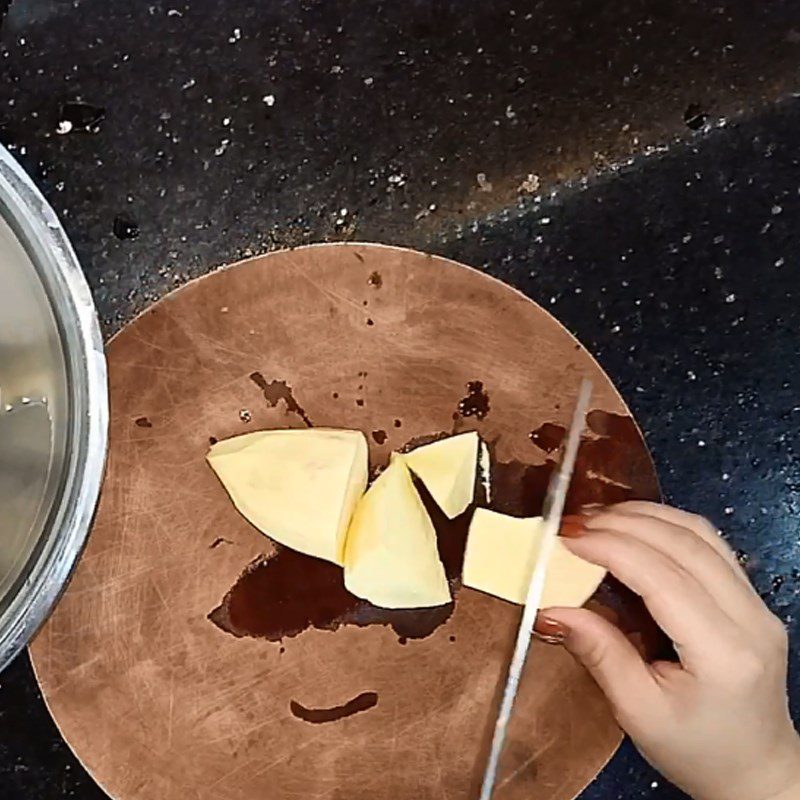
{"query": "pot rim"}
[(64, 535)]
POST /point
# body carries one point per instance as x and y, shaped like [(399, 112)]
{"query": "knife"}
[(553, 510)]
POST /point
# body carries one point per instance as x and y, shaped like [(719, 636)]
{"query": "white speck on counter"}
[(728, 510), (654, 785), (188, 85), (776, 209), (369, 81), (701, 443), (780, 262), (64, 126), (222, 147), (173, 12), (726, 476), (485, 467), (483, 182), (269, 100), (730, 298), (690, 374), (531, 184), (235, 36), (226, 121)]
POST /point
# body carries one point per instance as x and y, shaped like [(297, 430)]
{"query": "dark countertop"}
[(663, 232)]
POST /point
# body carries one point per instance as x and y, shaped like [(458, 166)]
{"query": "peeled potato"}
[(501, 555), (391, 557), (447, 470), (300, 487)]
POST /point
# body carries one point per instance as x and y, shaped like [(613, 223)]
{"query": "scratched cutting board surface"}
[(166, 688)]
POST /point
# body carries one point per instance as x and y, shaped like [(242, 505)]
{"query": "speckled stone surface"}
[(634, 167)]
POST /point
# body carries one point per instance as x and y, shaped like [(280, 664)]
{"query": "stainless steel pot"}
[(53, 408)]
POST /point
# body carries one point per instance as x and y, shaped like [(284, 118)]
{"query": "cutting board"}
[(163, 692)]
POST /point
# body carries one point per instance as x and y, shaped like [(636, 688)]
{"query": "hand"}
[(716, 724)]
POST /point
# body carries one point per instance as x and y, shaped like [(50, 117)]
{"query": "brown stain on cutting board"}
[(130, 666), (548, 437), (318, 716), (276, 391), (475, 403)]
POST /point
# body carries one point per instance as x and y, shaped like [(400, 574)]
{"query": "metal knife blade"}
[(553, 510)]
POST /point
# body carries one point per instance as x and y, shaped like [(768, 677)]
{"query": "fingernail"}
[(572, 526), (550, 630)]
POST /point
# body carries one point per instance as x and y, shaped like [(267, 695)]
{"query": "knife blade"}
[(552, 513)]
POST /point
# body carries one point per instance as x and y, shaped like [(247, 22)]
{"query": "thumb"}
[(610, 658)]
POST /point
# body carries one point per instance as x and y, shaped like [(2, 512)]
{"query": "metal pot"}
[(53, 409)]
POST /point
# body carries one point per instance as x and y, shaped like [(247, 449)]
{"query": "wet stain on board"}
[(143, 422), (276, 391), (611, 467), (375, 280), (380, 436), (548, 437), (290, 592), (475, 403), (218, 541), (318, 716)]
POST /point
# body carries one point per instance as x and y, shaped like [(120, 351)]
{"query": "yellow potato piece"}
[(300, 487), (502, 552), (391, 556), (447, 470)]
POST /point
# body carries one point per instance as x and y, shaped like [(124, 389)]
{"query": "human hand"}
[(716, 724)]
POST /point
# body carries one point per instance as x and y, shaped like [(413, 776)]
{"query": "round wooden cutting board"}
[(155, 695)]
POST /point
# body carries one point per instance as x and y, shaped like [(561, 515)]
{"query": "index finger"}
[(680, 605), (699, 525)]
